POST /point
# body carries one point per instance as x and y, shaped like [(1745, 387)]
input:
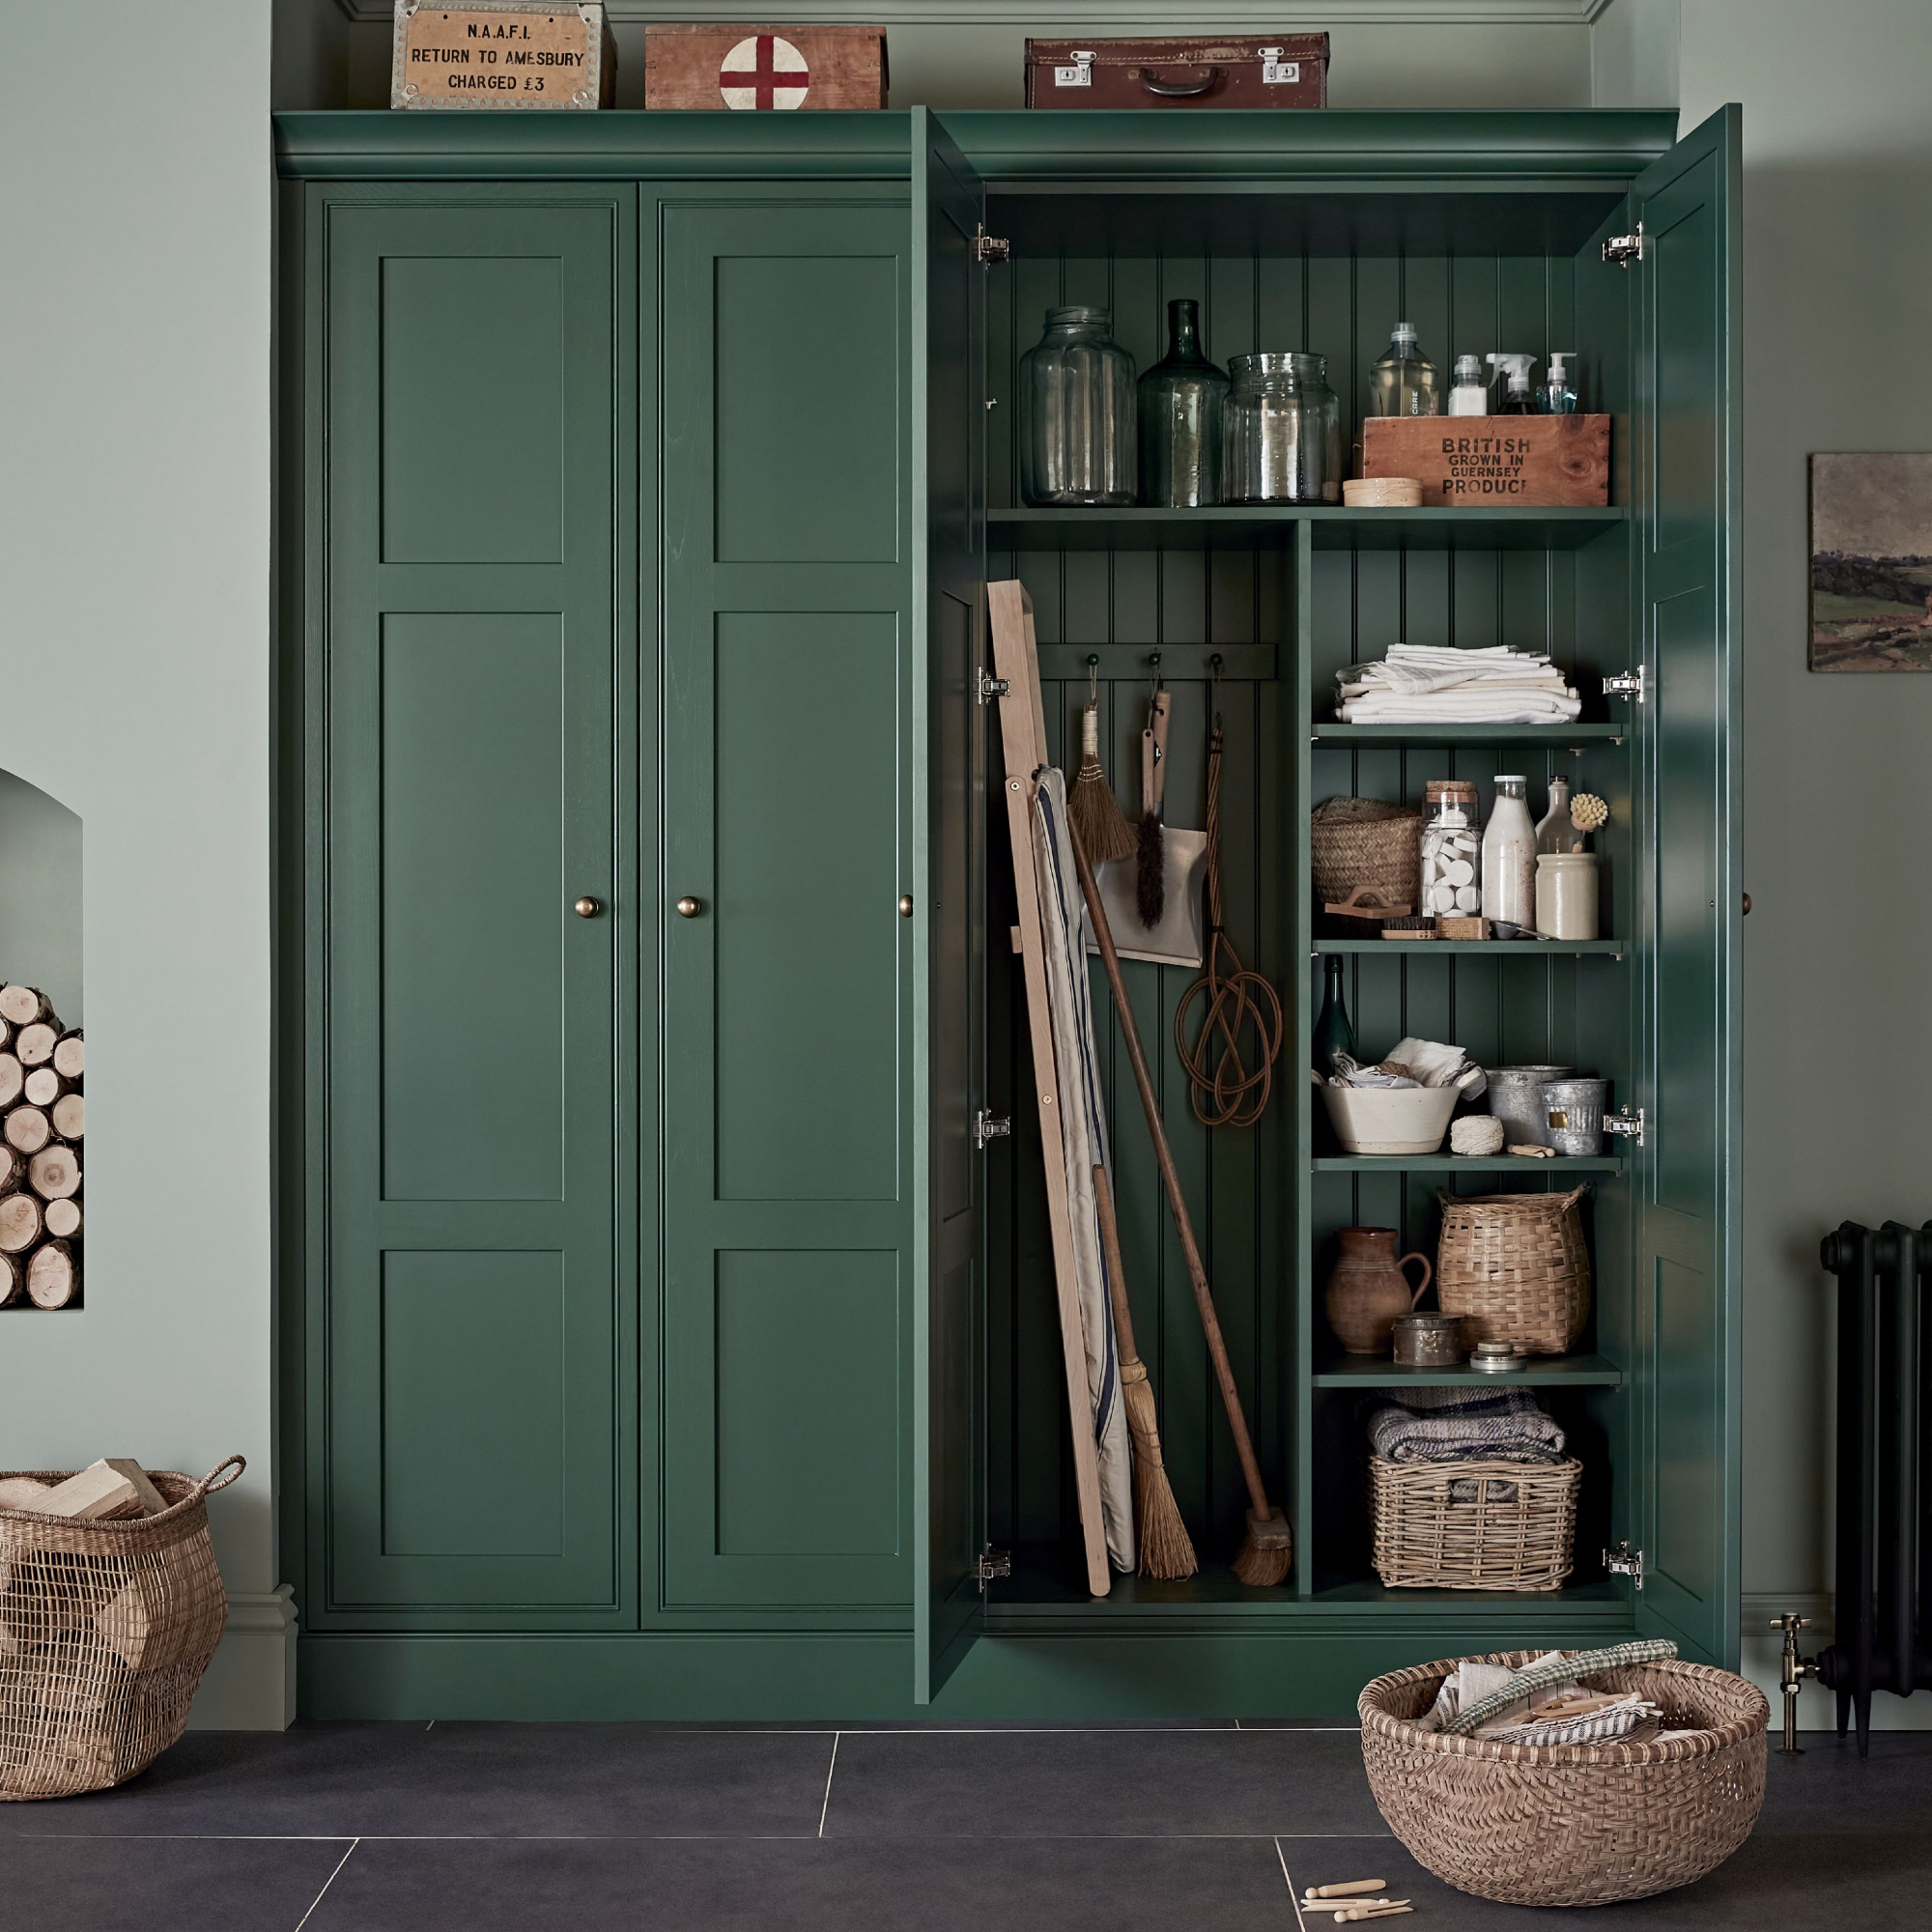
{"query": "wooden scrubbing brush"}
[(1102, 825), (1151, 877)]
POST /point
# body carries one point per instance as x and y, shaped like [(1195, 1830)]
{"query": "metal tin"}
[(1573, 1114), (1494, 1358), (1515, 1100), (1428, 1341)]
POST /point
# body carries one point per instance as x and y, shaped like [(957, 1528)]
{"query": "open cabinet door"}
[(950, 532), (1686, 479)]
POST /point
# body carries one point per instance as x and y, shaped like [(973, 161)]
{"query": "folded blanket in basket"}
[(1461, 1425)]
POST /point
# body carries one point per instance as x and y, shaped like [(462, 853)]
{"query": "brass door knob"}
[(689, 907), (905, 906), (1747, 903), (587, 907)]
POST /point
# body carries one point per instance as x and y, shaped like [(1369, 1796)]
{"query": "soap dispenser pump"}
[(1468, 397), (1557, 397)]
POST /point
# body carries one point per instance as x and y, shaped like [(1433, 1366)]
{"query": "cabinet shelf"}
[(1274, 526), (1339, 1370), (1462, 1163), (1393, 737), (1457, 949)]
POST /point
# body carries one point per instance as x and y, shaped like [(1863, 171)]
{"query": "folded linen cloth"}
[(1426, 683), (1551, 1707), (1461, 1425), (1416, 1063)]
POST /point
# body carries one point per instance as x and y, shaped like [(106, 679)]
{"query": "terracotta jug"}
[(1366, 1290)]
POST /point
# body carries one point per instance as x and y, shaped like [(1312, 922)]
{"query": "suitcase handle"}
[(1175, 89)]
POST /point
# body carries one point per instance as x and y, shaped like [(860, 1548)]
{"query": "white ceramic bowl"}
[(1391, 1119)]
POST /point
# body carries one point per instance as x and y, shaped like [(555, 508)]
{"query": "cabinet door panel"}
[(787, 998), (469, 1415)]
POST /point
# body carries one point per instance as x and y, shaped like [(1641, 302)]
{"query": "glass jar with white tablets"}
[(1452, 850)]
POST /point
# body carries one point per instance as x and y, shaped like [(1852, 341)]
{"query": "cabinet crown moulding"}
[(1114, 16)]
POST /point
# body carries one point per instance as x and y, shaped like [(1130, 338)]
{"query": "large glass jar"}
[(1077, 413), (1323, 419), (1181, 419), (1273, 436), (1452, 851), (1509, 861)]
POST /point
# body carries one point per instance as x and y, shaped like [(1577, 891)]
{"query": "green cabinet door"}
[(467, 1340), (788, 994), (1685, 474), (949, 1369)]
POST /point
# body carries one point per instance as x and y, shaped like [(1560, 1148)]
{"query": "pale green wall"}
[(39, 893), (135, 229)]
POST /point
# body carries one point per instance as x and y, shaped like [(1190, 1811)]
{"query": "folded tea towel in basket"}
[(1421, 684), (1416, 1063), (1542, 1704), (1461, 1425)]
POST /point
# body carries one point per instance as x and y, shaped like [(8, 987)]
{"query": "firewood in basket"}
[(70, 1116), (19, 1493), (12, 1077), (70, 1055), (28, 1128), (53, 1276), (25, 1004), (62, 1218), (100, 1492), (20, 1223), (34, 1044), (54, 1174)]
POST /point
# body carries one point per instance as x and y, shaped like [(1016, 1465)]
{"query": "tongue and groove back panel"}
[(1122, 606)]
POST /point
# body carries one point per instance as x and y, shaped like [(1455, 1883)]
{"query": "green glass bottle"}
[(1333, 1032), (1180, 401)]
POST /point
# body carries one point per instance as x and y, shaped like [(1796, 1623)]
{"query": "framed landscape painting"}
[(1871, 562)]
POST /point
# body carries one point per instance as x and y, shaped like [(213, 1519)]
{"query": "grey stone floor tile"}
[(1828, 1789), (404, 1780), (820, 1886), (1075, 1783), (160, 1885)]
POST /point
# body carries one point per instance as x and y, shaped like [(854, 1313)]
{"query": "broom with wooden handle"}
[(1268, 1548), (1165, 1548)]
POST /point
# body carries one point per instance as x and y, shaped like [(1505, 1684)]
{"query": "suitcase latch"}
[(1079, 75)]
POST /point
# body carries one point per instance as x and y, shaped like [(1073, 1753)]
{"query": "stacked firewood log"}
[(43, 1119)]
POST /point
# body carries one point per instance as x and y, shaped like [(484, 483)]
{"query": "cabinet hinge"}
[(1624, 1121), (1621, 1560), (989, 249), (990, 1565), (1624, 249), (1625, 684), (989, 1127), (991, 687)]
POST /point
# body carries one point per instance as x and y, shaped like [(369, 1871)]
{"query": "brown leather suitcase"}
[(1253, 71)]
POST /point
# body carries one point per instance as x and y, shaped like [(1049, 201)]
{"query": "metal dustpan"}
[(1179, 939)]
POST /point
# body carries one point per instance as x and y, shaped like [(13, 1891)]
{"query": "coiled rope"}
[(1221, 1087)]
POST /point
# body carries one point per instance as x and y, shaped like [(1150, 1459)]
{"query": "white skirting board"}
[(1763, 1656), (250, 1685)]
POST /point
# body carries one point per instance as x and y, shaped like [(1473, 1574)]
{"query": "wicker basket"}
[(1367, 842), (1516, 1269), (1571, 1824), (105, 1629), (1487, 1526)]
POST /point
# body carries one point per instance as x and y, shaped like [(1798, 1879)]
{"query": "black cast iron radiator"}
[(1884, 1484)]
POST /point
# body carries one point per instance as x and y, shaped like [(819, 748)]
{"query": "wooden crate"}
[(502, 54), (1233, 71), (1492, 462), (764, 66)]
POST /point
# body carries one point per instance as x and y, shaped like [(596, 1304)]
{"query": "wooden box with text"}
[(1545, 461), (502, 54), (764, 66)]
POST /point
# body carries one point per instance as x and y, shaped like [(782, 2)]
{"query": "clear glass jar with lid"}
[(1452, 850), (1270, 434), (1322, 422), (1077, 445)]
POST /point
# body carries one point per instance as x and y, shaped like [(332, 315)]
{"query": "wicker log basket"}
[(105, 1629), (1571, 1824), (1516, 1268), (1367, 842)]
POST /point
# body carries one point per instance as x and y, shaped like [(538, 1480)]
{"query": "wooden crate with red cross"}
[(764, 66)]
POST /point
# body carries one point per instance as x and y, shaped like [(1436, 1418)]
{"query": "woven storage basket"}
[(1516, 1269), (1486, 1525), (105, 1629), (1571, 1824), (1367, 842)]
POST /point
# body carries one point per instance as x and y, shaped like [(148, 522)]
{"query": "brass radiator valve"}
[(1795, 1669)]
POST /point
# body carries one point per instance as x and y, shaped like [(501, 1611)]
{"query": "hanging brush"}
[(1090, 804), (1151, 876)]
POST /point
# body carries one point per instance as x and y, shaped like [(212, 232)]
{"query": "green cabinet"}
[(665, 1336)]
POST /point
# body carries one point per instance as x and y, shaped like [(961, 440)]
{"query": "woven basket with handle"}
[(1516, 1267), (1477, 1525), (105, 1629), (1367, 842), (1571, 1824)]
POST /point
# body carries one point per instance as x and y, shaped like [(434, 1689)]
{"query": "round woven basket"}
[(1571, 1824), (1367, 842), (105, 1629), (1516, 1267)]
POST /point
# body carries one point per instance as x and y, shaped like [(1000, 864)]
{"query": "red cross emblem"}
[(763, 71)]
